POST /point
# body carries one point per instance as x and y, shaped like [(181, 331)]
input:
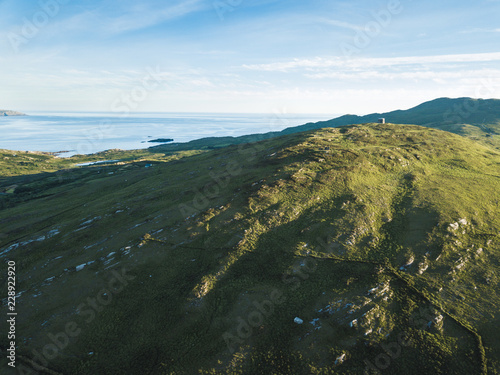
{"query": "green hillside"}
[(383, 240), (477, 119)]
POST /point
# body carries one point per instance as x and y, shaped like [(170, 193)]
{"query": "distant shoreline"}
[(90, 133), (4, 112)]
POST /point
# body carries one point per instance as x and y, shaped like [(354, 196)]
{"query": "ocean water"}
[(87, 133)]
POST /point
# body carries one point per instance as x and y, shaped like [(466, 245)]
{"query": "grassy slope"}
[(310, 221), (475, 118), (22, 163)]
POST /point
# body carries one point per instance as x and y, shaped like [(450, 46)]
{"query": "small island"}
[(11, 113), (161, 140)]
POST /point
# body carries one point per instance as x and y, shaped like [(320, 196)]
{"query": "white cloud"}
[(478, 30), (124, 18), (152, 16), (433, 75), (341, 24), (73, 80), (363, 63)]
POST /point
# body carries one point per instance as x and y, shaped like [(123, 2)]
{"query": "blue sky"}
[(316, 56)]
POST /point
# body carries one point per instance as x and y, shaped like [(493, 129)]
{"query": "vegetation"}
[(474, 118), (382, 239)]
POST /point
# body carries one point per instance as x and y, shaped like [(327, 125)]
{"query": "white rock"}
[(80, 267), (410, 261), (422, 267), (340, 359), (314, 321), (463, 221)]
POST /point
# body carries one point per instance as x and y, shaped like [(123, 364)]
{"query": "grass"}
[(228, 246)]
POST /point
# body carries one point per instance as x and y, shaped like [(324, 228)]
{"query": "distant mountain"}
[(477, 119), (4, 112), (437, 113), (464, 116)]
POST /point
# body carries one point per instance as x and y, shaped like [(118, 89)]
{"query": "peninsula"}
[(4, 112)]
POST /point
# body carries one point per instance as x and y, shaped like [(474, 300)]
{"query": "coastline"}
[(4, 112), (68, 134)]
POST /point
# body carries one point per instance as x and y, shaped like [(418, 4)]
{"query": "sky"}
[(245, 56)]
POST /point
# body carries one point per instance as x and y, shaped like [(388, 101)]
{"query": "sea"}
[(71, 133)]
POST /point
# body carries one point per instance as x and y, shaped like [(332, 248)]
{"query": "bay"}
[(87, 133)]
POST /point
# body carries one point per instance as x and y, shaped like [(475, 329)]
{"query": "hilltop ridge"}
[(478, 119)]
